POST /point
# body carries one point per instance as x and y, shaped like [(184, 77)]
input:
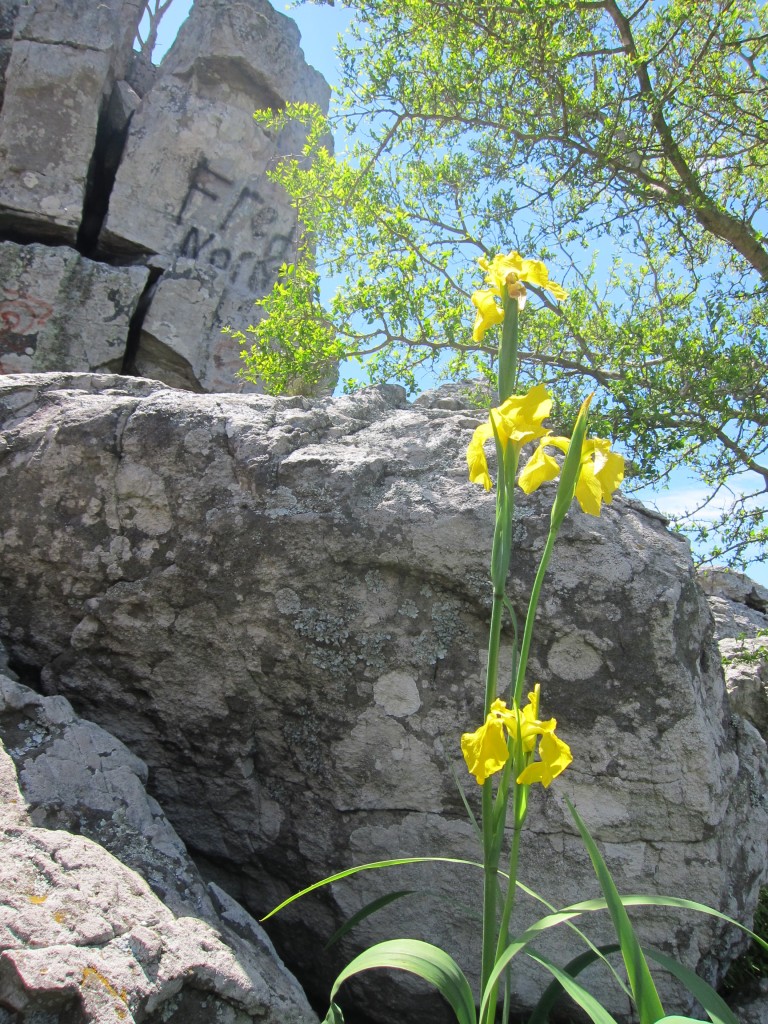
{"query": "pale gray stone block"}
[(59, 310)]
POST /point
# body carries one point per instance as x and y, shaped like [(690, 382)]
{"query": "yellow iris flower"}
[(517, 420), (486, 750), (510, 273), (506, 270), (601, 471)]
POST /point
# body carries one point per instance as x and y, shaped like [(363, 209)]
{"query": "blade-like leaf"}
[(584, 999), (675, 1019), (552, 992), (373, 866), (647, 1000), (364, 912), (334, 1015), (717, 1009), (429, 962)]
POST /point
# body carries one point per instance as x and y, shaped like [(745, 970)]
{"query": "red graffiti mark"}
[(21, 314)]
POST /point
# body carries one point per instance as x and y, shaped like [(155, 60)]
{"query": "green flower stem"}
[(506, 913), (490, 885), (493, 830), (531, 614), (508, 348)]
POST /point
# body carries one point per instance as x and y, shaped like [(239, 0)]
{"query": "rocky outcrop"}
[(165, 189), (740, 610), (83, 937), (281, 606)]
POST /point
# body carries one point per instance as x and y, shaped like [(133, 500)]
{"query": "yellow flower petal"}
[(517, 420), (489, 313), (555, 758), (485, 750), (600, 474), (538, 470), (521, 415), (478, 465)]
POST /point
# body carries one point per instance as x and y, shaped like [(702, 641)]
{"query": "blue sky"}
[(320, 27)]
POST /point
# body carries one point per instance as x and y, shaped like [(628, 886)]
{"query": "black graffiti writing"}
[(202, 180), (255, 268)]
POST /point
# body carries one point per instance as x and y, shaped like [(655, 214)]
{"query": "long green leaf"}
[(366, 911), (334, 1015), (373, 866), (647, 1000), (675, 1019), (554, 991), (717, 1009), (429, 962), (584, 999)]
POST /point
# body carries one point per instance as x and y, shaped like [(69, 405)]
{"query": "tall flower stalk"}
[(501, 753)]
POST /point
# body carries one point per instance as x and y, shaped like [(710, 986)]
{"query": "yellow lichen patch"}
[(92, 972), (37, 899), (59, 917)]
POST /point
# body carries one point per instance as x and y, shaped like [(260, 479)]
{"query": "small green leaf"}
[(675, 1019), (426, 961), (364, 912), (373, 866), (334, 1015)]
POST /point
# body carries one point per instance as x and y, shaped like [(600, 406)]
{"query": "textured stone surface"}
[(59, 310), (282, 607), (753, 1009), (63, 62), (222, 228), (82, 937), (8, 10), (740, 610)]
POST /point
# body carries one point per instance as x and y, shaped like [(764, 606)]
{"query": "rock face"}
[(740, 610), (63, 63), (82, 936), (281, 606), (63, 311), (167, 190)]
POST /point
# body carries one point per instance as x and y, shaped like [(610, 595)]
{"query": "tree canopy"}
[(623, 143)]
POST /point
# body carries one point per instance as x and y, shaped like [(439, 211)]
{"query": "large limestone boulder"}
[(281, 606), (220, 227), (83, 937)]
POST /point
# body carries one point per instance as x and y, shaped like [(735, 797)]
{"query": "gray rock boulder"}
[(82, 935), (281, 606), (62, 311)]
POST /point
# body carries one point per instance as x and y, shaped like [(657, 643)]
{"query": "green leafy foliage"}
[(625, 146)]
